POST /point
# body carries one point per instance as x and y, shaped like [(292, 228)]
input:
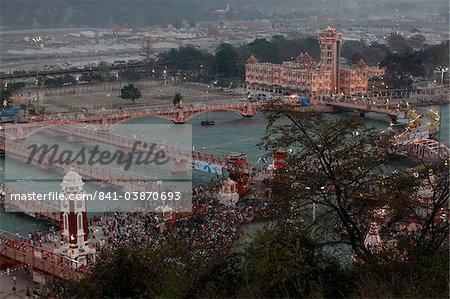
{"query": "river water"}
[(231, 133)]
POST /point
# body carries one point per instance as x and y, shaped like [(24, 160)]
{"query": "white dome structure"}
[(72, 181), (228, 195)]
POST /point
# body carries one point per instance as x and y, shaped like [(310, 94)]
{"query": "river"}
[(231, 133)]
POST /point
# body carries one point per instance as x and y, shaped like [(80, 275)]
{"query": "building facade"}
[(322, 78)]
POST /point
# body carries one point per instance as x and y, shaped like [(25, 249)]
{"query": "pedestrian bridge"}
[(424, 148), (41, 260), (176, 115)]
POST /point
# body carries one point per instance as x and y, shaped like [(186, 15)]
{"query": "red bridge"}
[(40, 260), (178, 116)]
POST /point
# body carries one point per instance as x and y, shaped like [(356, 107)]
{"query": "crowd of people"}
[(210, 226)]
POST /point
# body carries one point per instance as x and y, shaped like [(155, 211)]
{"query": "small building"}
[(228, 195)]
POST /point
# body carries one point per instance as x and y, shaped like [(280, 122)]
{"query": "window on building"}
[(80, 221), (66, 221)]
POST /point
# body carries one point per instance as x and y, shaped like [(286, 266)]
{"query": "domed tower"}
[(74, 221)]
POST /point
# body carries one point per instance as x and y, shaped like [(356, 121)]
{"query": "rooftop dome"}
[(361, 63), (252, 59)]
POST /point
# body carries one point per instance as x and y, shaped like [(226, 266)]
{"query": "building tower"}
[(330, 41), (74, 220)]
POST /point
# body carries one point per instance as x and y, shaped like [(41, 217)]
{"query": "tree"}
[(129, 75), (277, 263), (140, 271), (227, 61), (291, 48), (436, 56), (397, 43), (422, 197), (265, 50), (338, 169), (417, 41), (185, 58), (284, 263), (60, 81), (356, 50), (331, 165), (104, 69), (177, 100), (130, 92), (400, 68), (91, 77), (6, 92)]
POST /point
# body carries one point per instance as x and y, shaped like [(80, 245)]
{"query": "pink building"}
[(321, 78)]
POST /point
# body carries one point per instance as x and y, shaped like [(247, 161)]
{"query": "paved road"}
[(22, 281)]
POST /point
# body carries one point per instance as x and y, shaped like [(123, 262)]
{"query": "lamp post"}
[(441, 71), (37, 41)]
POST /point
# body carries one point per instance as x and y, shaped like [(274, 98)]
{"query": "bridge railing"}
[(41, 259)]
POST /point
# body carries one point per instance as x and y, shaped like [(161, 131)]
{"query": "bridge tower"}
[(279, 159), (74, 220), (239, 171)]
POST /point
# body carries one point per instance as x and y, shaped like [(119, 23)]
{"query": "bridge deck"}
[(40, 259)]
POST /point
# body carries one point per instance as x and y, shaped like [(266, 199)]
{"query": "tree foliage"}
[(140, 272), (291, 48), (401, 67), (129, 75), (397, 43), (372, 54), (344, 169), (287, 263), (417, 41), (177, 99), (332, 164), (60, 81), (186, 58), (104, 70), (130, 92), (265, 50), (227, 61), (6, 92)]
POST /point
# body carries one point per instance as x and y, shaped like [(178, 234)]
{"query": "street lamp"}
[(442, 70), (37, 41)]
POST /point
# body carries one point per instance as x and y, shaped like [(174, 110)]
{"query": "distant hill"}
[(23, 14)]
